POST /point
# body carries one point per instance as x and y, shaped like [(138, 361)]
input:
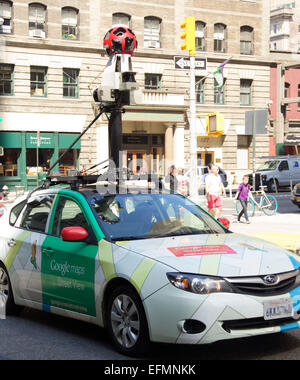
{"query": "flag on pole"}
[(219, 75)]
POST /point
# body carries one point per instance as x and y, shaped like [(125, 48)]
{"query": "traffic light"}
[(189, 35), (215, 124)]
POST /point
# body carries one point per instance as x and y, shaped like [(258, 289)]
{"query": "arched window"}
[(69, 23), (246, 39), (200, 35), (152, 32), (121, 19), (5, 13), (220, 38), (37, 20)]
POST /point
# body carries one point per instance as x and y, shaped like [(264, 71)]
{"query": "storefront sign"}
[(45, 140)]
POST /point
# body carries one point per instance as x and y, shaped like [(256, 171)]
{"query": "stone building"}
[(54, 57)]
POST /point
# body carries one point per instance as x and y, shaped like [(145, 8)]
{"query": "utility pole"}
[(190, 44), (279, 131)]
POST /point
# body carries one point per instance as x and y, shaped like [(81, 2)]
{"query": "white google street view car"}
[(148, 266)]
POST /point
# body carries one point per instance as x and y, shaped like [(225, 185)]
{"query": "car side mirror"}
[(74, 234), (225, 222)]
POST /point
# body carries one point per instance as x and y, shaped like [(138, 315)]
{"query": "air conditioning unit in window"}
[(37, 33), (152, 44)]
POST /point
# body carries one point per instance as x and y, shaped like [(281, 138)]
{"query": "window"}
[(121, 19), (6, 79), (200, 90), (200, 35), (38, 81), (246, 40), (9, 162), (152, 32), (220, 38), (70, 83), (68, 214), (245, 92), (36, 214), (287, 90), (298, 94), (15, 212), (37, 20), (219, 93), (284, 165), (153, 81), (5, 13), (69, 23)]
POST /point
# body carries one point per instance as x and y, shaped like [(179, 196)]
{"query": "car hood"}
[(225, 255)]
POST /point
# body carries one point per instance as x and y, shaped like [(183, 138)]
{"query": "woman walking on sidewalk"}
[(243, 195)]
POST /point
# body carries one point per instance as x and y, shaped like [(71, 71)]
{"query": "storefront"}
[(22, 157), (152, 139)]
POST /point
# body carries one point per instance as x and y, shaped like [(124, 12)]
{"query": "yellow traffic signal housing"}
[(189, 35), (215, 124)]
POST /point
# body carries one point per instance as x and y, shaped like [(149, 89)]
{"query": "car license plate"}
[(280, 308)]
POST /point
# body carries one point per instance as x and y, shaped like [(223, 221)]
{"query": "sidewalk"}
[(282, 229)]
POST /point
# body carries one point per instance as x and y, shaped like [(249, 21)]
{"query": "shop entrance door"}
[(137, 162), (205, 158)]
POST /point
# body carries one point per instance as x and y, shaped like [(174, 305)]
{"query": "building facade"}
[(285, 53), (53, 58)]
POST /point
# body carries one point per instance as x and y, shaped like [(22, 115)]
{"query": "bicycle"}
[(267, 203)]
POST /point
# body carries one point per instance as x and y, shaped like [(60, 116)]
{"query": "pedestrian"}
[(243, 196), (183, 183), (214, 191), (171, 179)]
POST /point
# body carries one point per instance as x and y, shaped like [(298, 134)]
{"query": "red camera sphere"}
[(120, 40)]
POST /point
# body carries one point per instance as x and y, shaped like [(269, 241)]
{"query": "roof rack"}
[(120, 177), (283, 157), (75, 181)]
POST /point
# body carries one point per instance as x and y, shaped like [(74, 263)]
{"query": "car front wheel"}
[(6, 290), (127, 322)]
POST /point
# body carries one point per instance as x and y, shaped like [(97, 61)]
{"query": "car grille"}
[(257, 286), (254, 323)]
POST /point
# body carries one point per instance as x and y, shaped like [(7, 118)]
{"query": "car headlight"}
[(199, 284)]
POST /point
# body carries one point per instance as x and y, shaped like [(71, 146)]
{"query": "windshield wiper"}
[(125, 238)]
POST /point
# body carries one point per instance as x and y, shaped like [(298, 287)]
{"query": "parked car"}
[(147, 266), (296, 195), (277, 172)]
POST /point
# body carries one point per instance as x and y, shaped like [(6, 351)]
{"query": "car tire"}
[(271, 186), (127, 323), (5, 284)]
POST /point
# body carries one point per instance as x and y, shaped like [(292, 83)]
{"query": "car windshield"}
[(144, 216), (268, 165)]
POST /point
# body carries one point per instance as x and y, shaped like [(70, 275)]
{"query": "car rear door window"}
[(68, 214)]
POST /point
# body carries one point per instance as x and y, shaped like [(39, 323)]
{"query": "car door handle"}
[(47, 250), (11, 243)]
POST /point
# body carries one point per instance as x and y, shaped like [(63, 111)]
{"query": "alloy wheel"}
[(125, 321), (4, 283)]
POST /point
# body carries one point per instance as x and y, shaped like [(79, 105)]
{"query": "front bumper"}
[(225, 316), (295, 198)]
